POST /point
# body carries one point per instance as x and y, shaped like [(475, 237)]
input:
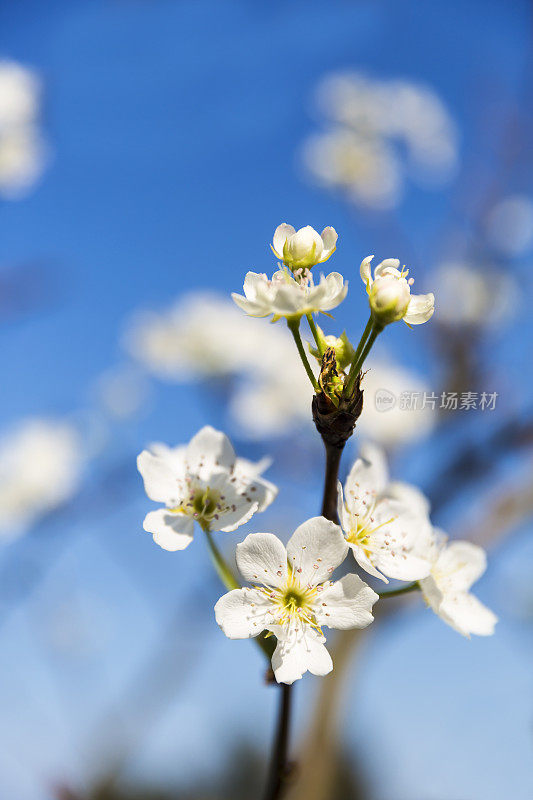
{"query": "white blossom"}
[(390, 294), (304, 248), (290, 295), (275, 400), (407, 117), (293, 596), (23, 152), (456, 566), (387, 419), (474, 295), (201, 335), (386, 526), (203, 482), (40, 469), (22, 161), (365, 168), (19, 95)]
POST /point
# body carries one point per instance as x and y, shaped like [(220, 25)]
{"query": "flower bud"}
[(303, 249), (389, 299), (344, 352)]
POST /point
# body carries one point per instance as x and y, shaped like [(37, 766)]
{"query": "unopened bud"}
[(344, 352), (389, 299)]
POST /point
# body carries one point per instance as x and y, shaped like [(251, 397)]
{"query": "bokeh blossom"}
[(41, 462), (376, 134), (22, 149), (293, 596), (388, 419), (201, 335), (475, 296)]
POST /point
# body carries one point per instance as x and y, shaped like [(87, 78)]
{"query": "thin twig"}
[(329, 502), (279, 768), (294, 327)]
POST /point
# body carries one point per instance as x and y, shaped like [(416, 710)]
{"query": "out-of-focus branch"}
[(476, 459)]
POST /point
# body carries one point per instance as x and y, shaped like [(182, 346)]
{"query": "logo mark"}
[(384, 400)]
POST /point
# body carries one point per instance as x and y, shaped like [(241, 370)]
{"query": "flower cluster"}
[(376, 133), (384, 524), (388, 528), (292, 292), (292, 596)]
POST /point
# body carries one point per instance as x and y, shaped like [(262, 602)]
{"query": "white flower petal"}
[(280, 236), (209, 450), (402, 542), (431, 593), (346, 603), (170, 531), (365, 270), (262, 558), (344, 517), (235, 517), (389, 266), (365, 563), (467, 615), (301, 651), (254, 284), (401, 545), (420, 309), (250, 306), (242, 613), (409, 495), (460, 564), (367, 479), (329, 238), (161, 483), (336, 291), (315, 549)]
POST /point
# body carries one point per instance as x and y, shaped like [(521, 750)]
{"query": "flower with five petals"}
[(201, 482), (293, 596), (289, 294)]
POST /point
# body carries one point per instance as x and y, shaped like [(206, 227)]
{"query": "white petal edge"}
[(170, 531)]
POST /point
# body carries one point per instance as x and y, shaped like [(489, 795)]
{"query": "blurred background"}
[(148, 150)]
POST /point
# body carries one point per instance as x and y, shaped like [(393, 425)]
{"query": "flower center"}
[(204, 504), (300, 277), (362, 531), (293, 599), (292, 604)]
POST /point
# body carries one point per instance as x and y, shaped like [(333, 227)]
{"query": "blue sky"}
[(173, 128)]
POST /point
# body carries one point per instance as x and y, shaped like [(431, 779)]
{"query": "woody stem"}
[(329, 499)]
